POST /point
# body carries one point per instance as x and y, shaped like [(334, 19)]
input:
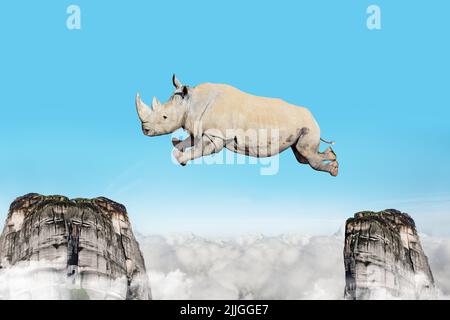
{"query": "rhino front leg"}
[(183, 145), (205, 146)]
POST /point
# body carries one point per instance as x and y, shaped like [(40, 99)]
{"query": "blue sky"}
[(68, 123)]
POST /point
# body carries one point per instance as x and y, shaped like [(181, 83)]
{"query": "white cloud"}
[(438, 253), (249, 267), (260, 267)]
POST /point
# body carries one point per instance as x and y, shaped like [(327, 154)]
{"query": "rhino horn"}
[(142, 109), (176, 82), (155, 103)]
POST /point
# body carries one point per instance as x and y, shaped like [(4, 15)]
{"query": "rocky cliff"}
[(384, 259), (56, 248)]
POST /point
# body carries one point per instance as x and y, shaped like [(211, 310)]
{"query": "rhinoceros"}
[(218, 116)]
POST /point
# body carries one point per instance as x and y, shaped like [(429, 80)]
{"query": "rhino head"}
[(164, 118)]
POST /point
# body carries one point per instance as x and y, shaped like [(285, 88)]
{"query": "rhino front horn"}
[(142, 109)]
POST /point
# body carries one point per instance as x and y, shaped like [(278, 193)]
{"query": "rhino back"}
[(235, 109)]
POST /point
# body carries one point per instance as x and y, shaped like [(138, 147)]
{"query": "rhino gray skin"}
[(219, 115)]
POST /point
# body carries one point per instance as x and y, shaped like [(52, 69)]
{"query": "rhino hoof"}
[(335, 169)]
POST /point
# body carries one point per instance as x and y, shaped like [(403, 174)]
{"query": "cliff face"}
[(56, 248), (383, 258)]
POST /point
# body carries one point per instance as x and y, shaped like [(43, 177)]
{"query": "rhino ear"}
[(177, 84), (185, 91)]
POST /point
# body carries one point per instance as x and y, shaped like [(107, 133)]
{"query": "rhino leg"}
[(183, 145), (320, 165), (298, 156), (205, 146), (306, 150), (328, 154)]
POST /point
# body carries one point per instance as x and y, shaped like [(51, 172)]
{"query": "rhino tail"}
[(329, 142)]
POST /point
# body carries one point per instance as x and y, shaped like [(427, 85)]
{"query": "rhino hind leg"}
[(328, 154), (298, 156), (330, 167), (318, 163), (306, 150)]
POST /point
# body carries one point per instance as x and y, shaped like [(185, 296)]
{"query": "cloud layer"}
[(438, 253), (260, 267), (250, 267)]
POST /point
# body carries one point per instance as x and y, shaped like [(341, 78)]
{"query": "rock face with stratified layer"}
[(384, 259), (56, 248)]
